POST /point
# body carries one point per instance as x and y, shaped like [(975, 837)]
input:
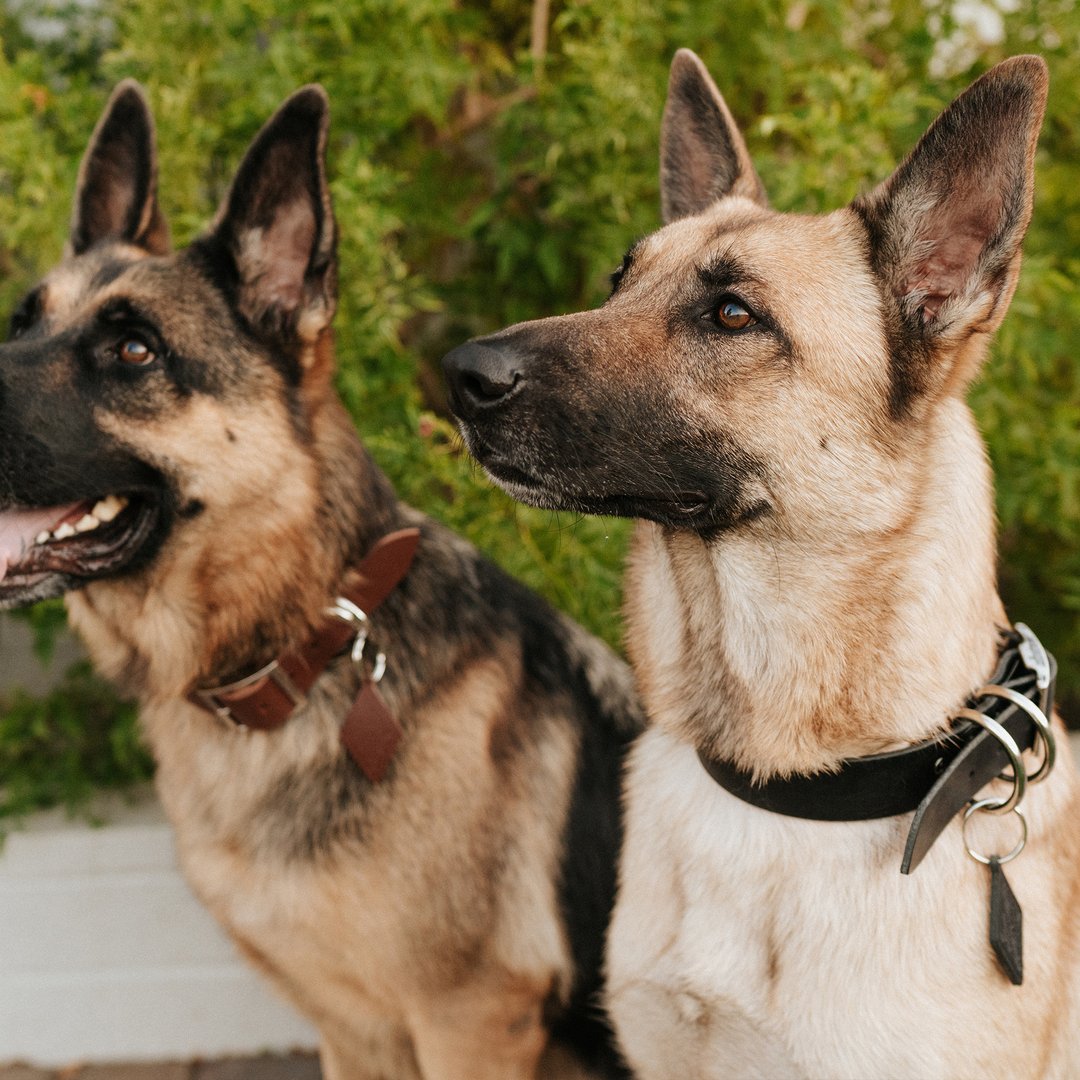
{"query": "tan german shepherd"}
[(781, 398), (174, 458)]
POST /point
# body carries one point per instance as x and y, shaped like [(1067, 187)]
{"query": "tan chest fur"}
[(393, 869)]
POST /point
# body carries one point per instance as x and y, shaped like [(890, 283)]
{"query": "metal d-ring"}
[(348, 611), (1008, 743), (1038, 718), (988, 806)]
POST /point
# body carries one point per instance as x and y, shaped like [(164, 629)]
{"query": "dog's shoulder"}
[(484, 604)]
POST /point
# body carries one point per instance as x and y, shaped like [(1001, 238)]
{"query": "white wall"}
[(105, 955)]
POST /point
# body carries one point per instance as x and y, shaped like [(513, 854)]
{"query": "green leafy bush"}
[(486, 173), (64, 747)]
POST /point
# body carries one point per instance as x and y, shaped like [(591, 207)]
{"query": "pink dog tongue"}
[(19, 527)]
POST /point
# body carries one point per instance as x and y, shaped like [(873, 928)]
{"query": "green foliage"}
[(59, 750), (481, 179)]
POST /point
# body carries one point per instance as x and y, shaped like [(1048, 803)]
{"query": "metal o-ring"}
[(1038, 718), (1019, 777), (988, 806), (379, 669)]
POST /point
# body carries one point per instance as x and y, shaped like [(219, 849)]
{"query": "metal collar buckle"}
[(211, 696), (1036, 659)]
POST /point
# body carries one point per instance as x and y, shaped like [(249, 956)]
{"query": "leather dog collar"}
[(935, 778), (267, 698)]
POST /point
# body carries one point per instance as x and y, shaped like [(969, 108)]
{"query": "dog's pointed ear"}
[(275, 234), (946, 227), (702, 153), (116, 193)]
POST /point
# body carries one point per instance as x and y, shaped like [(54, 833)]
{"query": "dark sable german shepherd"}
[(781, 399), (174, 458)]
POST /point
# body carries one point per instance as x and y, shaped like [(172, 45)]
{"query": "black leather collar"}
[(936, 778)]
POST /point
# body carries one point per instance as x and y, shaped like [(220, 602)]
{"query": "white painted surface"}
[(106, 955)]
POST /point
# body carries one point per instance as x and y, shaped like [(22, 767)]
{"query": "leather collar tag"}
[(371, 732)]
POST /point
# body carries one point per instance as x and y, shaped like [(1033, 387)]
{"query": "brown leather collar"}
[(265, 699)]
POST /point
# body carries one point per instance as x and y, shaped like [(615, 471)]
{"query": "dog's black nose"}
[(480, 376)]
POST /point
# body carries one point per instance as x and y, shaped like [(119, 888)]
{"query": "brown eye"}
[(135, 351), (732, 315)]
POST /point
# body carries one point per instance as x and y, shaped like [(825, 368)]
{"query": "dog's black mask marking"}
[(54, 454), (555, 438)]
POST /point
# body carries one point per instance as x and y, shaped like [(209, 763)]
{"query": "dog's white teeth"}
[(109, 507), (104, 511)]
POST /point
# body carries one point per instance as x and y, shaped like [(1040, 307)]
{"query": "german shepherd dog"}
[(780, 398), (174, 459)]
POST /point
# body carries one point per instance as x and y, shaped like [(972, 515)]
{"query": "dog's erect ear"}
[(116, 193), (275, 231), (702, 154), (947, 226)]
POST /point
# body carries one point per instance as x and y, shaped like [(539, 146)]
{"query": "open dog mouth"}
[(84, 539)]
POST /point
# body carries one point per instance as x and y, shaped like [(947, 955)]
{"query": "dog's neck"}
[(219, 602), (785, 652)]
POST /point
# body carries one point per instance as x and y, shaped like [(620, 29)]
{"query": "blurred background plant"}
[(491, 162)]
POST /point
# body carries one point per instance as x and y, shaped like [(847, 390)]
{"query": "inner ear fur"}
[(275, 231), (116, 191), (703, 157), (946, 228)]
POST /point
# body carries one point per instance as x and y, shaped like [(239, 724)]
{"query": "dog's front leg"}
[(487, 1031)]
